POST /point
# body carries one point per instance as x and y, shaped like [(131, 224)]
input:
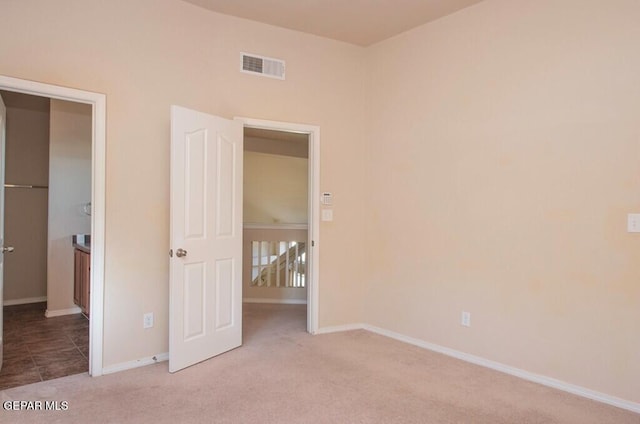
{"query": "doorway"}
[(97, 102), (47, 193), (275, 228), (290, 137)]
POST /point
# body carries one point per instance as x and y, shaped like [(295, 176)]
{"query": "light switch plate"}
[(327, 214), (633, 223), (465, 320), (147, 321)]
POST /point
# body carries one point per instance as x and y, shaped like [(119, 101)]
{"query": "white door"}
[(3, 126), (205, 303)]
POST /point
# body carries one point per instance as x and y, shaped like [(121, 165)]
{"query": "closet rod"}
[(24, 186)]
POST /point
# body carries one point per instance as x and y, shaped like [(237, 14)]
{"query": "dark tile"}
[(21, 379), (38, 348), (84, 349), (75, 319), (59, 369), (65, 354), (27, 307), (44, 337), (79, 338), (12, 366), (12, 333), (76, 329), (48, 354), (15, 350), (77, 326), (24, 314), (37, 326)]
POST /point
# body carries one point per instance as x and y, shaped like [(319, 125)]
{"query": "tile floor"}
[(38, 348)]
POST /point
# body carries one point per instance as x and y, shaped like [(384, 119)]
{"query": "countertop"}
[(81, 242)]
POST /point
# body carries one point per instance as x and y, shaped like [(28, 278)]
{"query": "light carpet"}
[(283, 375)]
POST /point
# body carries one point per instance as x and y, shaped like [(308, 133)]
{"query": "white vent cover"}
[(260, 65)]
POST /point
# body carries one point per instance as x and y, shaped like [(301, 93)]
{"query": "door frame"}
[(313, 279), (98, 196)]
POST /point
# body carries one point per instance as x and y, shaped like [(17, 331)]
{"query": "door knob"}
[(10, 249), (181, 253)]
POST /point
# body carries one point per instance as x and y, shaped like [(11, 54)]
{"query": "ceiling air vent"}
[(260, 65)]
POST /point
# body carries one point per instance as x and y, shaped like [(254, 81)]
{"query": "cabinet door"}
[(86, 282), (77, 277)]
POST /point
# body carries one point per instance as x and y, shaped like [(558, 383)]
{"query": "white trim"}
[(340, 328), (98, 234), (279, 301), (313, 289), (525, 375), (61, 312), (24, 301), (253, 226), (142, 362), (98, 195)]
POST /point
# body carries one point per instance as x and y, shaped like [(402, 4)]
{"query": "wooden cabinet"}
[(77, 273), (82, 280)]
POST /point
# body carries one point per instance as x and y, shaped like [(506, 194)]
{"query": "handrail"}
[(291, 261), (24, 186)]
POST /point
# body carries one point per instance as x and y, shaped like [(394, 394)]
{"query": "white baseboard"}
[(61, 312), (339, 328), (526, 375), (161, 357), (280, 301), (25, 301)]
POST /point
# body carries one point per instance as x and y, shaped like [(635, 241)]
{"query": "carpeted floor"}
[(284, 375)]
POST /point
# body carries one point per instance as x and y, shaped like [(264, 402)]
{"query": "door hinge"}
[(313, 243), (171, 253)]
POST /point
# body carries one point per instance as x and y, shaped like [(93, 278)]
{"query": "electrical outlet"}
[(147, 321), (466, 319)]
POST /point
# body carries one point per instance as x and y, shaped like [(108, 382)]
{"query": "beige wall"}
[(149, 54), (269, 293), (508, 136), (69, 191), (275, 189), (27, 162)]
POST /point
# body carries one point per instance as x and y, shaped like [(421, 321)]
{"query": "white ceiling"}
[(361, 22)]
